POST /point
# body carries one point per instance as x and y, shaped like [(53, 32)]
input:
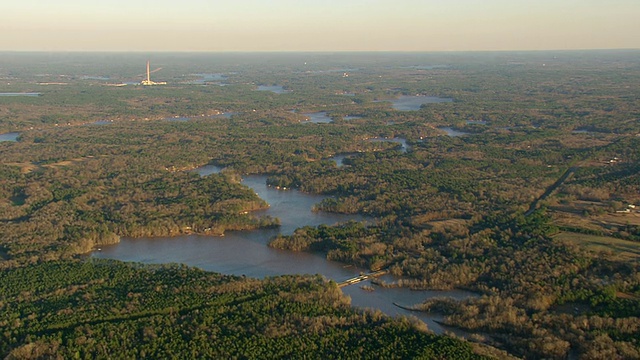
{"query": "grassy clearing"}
[(621, 219), (614, 249), (29, 167)]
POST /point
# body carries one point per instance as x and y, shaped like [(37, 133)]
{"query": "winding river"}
[(247, 253)]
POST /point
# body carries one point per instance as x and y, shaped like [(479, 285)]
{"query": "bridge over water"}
[(362, 277)]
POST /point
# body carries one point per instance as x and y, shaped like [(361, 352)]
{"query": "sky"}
[(318, 25)]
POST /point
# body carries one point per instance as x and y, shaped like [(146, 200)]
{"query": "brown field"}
[(620, 219), (24, 167), (612, 248), (437, 223), (600, 217)]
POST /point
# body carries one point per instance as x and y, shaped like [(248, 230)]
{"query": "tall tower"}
[(148, 80)]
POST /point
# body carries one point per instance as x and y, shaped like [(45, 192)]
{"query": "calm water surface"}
[(101, 122), (247, 253), (453, 132), (209, 79), (95, 77), (226, 115), (412, 103), (20, 94), (178, 119), (318, 118), (208, 170), (12, 136), (274, 89)]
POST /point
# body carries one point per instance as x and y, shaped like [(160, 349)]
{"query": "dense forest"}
[(107, 309), (521, 187)]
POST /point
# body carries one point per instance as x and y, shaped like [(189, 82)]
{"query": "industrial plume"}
[(148, 80)]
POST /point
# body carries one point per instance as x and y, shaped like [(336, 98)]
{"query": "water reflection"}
[(247, 253), (384, 299), (293, 208)]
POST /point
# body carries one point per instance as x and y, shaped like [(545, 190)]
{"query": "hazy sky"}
[(318, 25)]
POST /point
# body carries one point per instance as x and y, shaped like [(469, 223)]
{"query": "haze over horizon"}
[(330, 25)]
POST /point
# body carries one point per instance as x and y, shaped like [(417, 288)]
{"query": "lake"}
[(206, 79), (208, 170), (274, 89), (453, 132), (12, 136), (318, 118), (247, 253), (413, 103)]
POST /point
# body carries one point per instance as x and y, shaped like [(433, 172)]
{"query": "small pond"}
[(11, 136), (413, 103), (318, 118), (273, 88), (453, 132)]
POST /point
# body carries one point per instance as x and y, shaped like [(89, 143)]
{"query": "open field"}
[(616, 249), (598, 222)]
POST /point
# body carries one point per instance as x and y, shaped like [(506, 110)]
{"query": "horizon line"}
[(316, 51)]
